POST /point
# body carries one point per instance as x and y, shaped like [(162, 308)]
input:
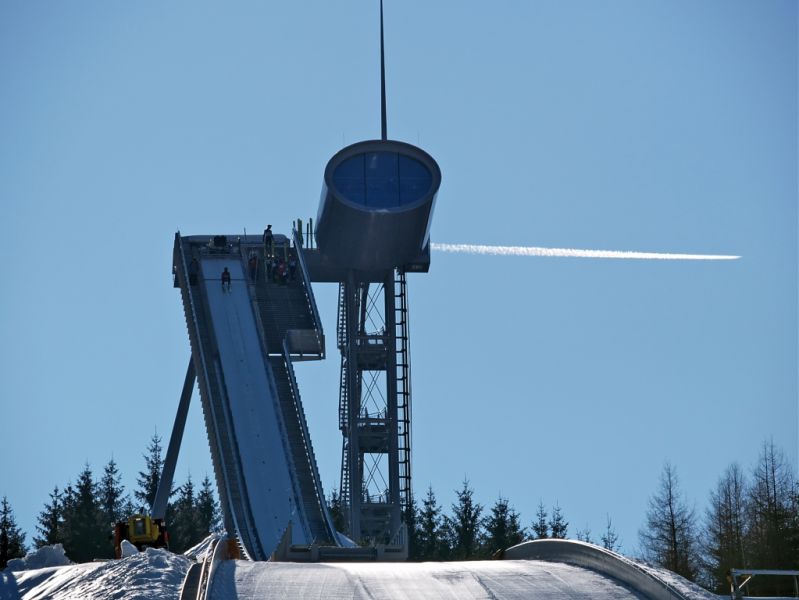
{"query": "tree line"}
[(81, 515), (751, 522), (470, 532)]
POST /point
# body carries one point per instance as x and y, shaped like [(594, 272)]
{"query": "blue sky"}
[(653, 126)]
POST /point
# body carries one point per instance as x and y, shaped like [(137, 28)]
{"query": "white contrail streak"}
[(572, 252)]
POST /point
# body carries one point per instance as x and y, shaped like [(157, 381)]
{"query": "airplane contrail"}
[(572, 252)]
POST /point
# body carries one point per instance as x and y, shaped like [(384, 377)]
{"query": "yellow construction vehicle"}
[(142, 531)]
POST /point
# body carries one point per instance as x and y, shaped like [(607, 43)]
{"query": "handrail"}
[(306, 439), (215, 554), (736, 588), (205, 572), (320, 334), (200, 350)]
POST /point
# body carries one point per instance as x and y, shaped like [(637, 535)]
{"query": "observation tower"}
[(373, 227)]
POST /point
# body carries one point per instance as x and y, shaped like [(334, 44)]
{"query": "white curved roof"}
[(498, 579), (550, 569)]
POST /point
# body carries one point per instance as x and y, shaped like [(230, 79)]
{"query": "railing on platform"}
[(736, 588), (309, 298)]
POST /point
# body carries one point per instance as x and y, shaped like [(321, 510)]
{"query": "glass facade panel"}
[(349, 179), (382, 179), (415, 180)]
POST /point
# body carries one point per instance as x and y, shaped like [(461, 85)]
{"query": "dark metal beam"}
[(168, 473)]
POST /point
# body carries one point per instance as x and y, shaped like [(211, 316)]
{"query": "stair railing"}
[(306, 440)]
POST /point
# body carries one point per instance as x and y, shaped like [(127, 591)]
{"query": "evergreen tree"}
[(502, 527), (793, 530), (773, 532), (12, 539), (584, 535), (540, 527), (207, 508), (185, 528), (669, 538), (111, 492), (193, 515), (430, 542), (128, 508), (725, 528), (68, 501), (610, 539), (149, 478), (337, 511), (463, 527), (51, 521), (557, 524), (85, 531)]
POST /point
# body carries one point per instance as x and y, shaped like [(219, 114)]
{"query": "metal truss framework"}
[(374, 406)]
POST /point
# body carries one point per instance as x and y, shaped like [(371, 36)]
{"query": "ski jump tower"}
[(372, 228)]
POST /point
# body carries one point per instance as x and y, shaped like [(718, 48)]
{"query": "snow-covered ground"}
[(150, 575)]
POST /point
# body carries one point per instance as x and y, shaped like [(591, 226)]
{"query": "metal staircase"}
[(403, 375), (286, 312), (343, 404)]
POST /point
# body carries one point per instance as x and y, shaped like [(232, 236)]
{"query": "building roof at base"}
[(551, 569), (505, 580)]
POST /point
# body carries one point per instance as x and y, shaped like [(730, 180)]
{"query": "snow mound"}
[(46, 556), (150, 575), (128, 549)]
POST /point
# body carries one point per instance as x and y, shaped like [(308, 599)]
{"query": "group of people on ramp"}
[(278, 270)]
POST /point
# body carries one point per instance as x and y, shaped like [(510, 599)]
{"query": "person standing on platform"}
[(226, 281), (268, 240)]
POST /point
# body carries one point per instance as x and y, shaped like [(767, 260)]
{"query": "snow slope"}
[(150, 575)]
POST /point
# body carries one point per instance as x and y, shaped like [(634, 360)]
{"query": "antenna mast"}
[(382, 80)]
